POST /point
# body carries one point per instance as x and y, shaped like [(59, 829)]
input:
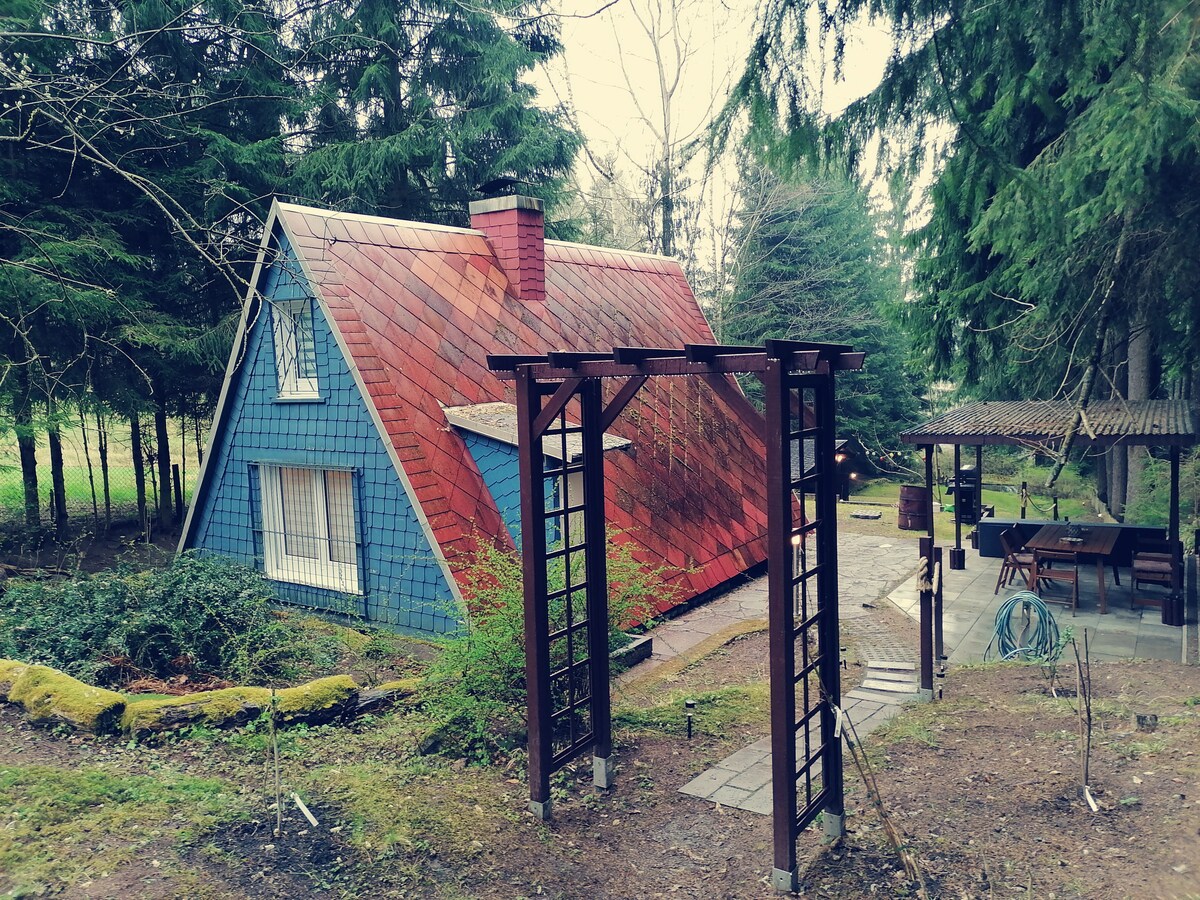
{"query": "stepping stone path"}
[(870, 568), (887, 682), (743, 779)]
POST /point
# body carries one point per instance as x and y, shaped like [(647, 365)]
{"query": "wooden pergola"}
[(1042, 424)]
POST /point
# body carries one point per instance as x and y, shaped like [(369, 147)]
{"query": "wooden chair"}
[(1153, 563), (1016, 559), (1043, 561)]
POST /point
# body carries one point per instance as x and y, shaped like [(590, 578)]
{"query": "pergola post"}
[(925, 619), (781, 627), (799, 378), (537, 629), (596, 578)]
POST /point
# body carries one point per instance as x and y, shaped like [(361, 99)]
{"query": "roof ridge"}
[(615, 250), (378, 220)]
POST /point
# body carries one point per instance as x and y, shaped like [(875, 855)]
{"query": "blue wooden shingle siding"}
[(498, 464), (402, 583), (500, 467)]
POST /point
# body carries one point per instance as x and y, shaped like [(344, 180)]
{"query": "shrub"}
[(201, 615), (477, 688), (1152, 503)]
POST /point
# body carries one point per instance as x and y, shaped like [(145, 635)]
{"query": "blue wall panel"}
[(501, 471), (500, 467), (402, 582)]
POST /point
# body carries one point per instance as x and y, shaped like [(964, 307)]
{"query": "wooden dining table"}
[(1094, 543)]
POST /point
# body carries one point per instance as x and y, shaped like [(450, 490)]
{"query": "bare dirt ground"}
[(984, 785)]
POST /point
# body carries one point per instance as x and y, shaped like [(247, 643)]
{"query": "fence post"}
[(1056, 507), (925, 586), (1024, 496)]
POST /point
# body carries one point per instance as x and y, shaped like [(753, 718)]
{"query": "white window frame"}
[(284, 317), (278, 564)]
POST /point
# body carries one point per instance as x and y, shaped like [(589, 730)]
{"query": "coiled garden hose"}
[(1036, 640)]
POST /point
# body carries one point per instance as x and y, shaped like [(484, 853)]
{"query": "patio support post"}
[(958, 558), (925, 588), (939, 647), (1173, 611), (957, 497), (978, 484), (929, 484)]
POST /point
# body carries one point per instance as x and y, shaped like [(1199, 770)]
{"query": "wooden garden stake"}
[(1083, 694), (275, 754)]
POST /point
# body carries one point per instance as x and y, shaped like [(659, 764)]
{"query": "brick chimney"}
[(515, 227)]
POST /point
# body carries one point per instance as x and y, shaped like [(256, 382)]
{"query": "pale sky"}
[(717, 37)]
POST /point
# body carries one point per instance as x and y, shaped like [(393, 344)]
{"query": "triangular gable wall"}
[(403, 582)]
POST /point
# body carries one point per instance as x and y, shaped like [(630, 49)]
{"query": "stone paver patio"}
[(870, 569), (970, 608)]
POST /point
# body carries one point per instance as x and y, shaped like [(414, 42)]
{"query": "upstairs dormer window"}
[(295, 349)]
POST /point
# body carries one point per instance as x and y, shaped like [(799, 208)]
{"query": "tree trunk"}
[(56, 475), (667, 186), (162, 441), (1103, 316), (1138, 389), (87, 455), (27, 446), (1117, 456), (139, 467), (102, 449)]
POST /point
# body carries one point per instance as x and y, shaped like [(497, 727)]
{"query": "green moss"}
[(9, 670), (211, 707), (402, 687), (49, 695), (232, 706), (408, 811), (62, 826), (324, 693)]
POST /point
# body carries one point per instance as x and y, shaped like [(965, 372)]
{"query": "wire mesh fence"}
[(99, 478)]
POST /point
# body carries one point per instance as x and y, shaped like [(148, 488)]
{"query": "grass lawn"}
[(1008, 506)]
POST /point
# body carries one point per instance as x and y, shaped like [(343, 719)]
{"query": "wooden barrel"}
[(914, 508)]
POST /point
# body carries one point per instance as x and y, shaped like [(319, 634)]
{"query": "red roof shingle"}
[(423, 305)]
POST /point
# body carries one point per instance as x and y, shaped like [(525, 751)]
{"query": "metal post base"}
[(602, 772), (541, 809), (835, 827), (785, 882), (958, 558)]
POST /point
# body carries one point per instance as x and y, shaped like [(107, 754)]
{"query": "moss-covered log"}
[(53, 697), (316, 703), (386, 694), (9, 670)]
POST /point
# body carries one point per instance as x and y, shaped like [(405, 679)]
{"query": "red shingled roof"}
[(421, 306)]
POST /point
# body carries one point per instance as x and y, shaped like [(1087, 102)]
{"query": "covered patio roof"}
[(1157, 423), (1154, 423)]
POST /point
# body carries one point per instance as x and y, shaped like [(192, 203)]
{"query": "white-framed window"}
[(295, 349), (309, 535)]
